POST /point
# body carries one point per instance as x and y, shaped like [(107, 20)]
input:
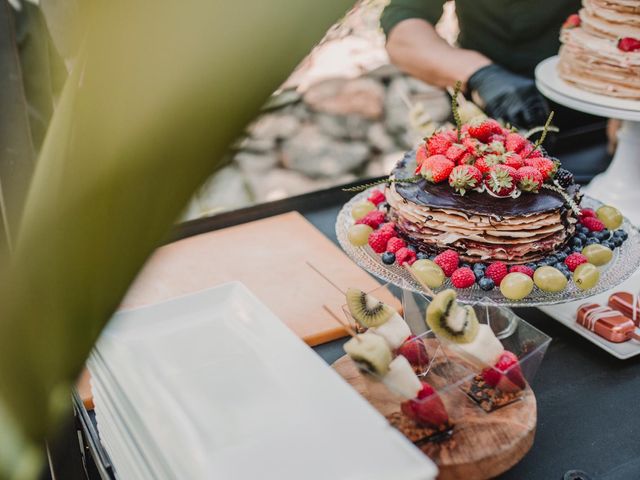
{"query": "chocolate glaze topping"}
[(443, 196)]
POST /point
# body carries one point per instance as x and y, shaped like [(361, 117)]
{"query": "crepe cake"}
[(592, 56), (480, 227)]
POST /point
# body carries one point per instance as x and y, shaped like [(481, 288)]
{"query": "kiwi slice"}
[(370, 352), (366, 309), (450, 320)]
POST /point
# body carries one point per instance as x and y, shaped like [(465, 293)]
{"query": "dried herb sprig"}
[(545, 130), (557, 188), (454, 109), (366, 186)]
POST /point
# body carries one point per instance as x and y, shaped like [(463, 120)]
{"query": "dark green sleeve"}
[(399, 10)]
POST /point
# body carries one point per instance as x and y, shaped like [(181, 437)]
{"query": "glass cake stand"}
[(618, 184), (625, 261)]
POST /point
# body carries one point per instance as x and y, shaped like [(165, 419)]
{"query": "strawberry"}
[(515, 142), (421, 154), (428, 163), (374, 219), (467, 159), (629, 44), (513, 160), (463, 278), (575, 259), (501, 180), (483, 129), (404, 255), (464, 177), (506, 374), (586, 212), (377, 197), (455, 152), (493, 147), (528, 151), (572, 21), (438, 143), (447, 261), (394, 244), (496, 271), (438, 170), (378, 241), (415, 351), (427, 408), (529, 179), (472, 145), (486, 163), (497, 137), (545, 166), (594, 224), (522, 269)]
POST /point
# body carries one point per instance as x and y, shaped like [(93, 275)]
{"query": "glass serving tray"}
[(625, 261)]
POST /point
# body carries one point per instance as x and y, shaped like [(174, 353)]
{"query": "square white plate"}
[(566, 314), (240, 396)]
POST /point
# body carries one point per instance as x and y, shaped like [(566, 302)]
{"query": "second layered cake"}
[(480, 227)]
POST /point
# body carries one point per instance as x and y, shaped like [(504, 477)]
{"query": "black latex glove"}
[(510, 97)]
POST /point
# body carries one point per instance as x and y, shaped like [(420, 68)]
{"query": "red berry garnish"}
[(572, 21), (427, 408), (415, 351), (586, 212), (522, 269), (515, 142), (394, 244), (483, 129), (378, 240), (405, 255), (593, 223), (496, 272), (374, 219), (506, 374), (448, 261), (377, 197), (463, 278), (529, 179), (575, 259), (629, 44), (437, 170), (438, 144)]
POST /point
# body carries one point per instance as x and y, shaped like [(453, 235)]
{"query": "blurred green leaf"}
[(158, 92)]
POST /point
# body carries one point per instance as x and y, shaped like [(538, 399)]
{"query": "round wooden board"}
[(483, 445)]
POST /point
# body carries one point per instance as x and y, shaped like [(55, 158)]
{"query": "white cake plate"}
[(618, 185)]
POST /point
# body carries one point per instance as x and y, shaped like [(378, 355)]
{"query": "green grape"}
[(359, 234), (516, 286), (610, 216), (550, 279), (428, 272), (586, 276), (359, 210), (597, 254)]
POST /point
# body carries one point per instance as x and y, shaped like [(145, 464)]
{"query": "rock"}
[(438, 106), (396, 108), (256, 162), (359, 96), (274, 126), (315, 154), (340, 126), (258, 145), (390, 159), (280, 183), (225, 190), (384, 72), (379, 138)]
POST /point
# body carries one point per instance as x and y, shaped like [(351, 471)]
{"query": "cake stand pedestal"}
[(618, 185)]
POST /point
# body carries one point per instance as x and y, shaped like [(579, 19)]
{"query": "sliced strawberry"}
[(427, 408), (629, 44), (506, 374), (415, 351)]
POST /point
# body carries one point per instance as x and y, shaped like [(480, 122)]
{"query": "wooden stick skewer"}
[(349, 329), (419, 280)]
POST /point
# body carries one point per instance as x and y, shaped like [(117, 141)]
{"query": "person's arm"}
[(415, 47)]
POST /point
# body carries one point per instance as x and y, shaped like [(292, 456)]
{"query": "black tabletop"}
[(586, 398)]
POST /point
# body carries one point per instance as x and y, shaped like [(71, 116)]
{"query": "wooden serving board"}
[(482, 445)]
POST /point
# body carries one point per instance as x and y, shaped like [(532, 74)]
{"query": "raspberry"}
[(404, 255), (389, 226), (586, 212), (575, 259), (522, 269), (378, 240), (447, 261), (592, 223), (394, 244), (373, 219), (496, 272), (377, 197), (463, 278)]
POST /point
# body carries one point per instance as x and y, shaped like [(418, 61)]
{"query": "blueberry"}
[(388, 258), (551, 259), (465, 265), (486, 284), (582, 237), (533, 266), (616, 241), (604, 234), (561, 256), (607, 244), (422, 256), (480, 265), (621, 234), (560, 265), (478, 272), (539, 264), (576, 249), (583, 229), (412, 248), (591, 241), (576, 242)]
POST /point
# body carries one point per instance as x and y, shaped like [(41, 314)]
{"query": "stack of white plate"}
[(214, 385)]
